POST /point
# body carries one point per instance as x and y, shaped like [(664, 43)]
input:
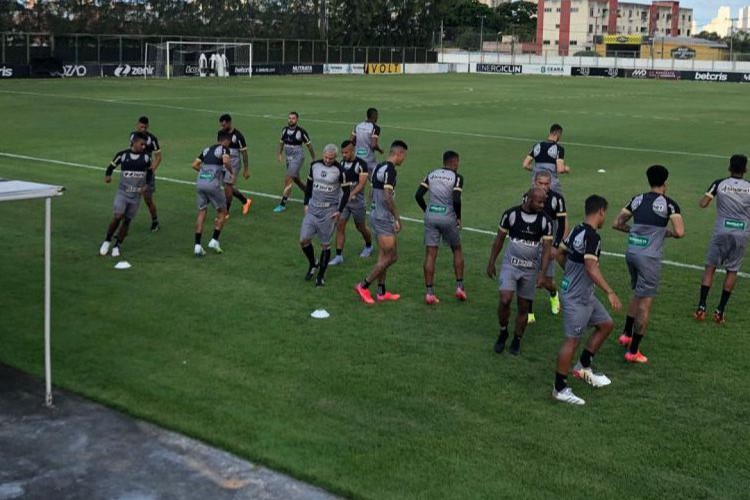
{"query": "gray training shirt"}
[(383, 177), (293, 140), (732, 206), (582, 243), (441, 184), (364, 133), (134, 172), (525, 234), (327, 183), (651, 214), (211, 172)]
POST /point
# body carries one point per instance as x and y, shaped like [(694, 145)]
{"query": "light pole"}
[(481, 38), (731, 40)]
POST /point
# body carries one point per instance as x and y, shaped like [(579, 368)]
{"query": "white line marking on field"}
[(349, 123), (275, 196)]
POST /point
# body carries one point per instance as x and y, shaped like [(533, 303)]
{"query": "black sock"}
[(283, 200), (635, 343), (309, 252), (553, 295), (516, 342), (381, 288), (531, 307), (198, 237), (325, 256), (238, 194), (217, 232), (430, 289), (368, 244), (365, 284), (460, 284), (629, 323), (339, 251), (560, 381), (229, 205), (704, 296), (503, 334), (154, 218), (724, 299), (586, 356)]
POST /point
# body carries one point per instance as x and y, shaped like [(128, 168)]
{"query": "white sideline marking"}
[(274, 196), (349, 124)]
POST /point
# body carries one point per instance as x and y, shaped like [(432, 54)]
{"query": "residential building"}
[(721, 24)]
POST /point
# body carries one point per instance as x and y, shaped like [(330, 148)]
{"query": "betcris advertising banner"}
[(501, 69), (598, 72), (384, 69), (537, 69), (14, 71)]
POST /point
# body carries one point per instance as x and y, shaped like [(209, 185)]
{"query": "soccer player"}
[(212, 164), (579, 257), (326, 195), (154, 151), (357, 174), (237, 148), (385, 223), (524, 266), (548, 155), (365, 137), (442, 220), (555, 209), (652, 213), (731, 233), (293, 137), (135, 167)]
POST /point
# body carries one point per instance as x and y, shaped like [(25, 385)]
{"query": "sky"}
[(705, 10)]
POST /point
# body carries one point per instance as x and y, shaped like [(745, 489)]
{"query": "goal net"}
[(199, 59)]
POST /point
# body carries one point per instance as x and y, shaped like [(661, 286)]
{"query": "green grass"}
[(397, 400)]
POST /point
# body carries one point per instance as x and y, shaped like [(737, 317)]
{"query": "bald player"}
[(524, 266), (548, 155)]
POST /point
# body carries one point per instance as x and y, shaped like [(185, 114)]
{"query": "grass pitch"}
[(397, 400)]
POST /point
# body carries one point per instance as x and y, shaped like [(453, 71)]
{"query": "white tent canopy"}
[(20, 190)]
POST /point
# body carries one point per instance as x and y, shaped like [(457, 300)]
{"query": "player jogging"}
[(385, 223), (548, 155), (555, 209), (237, 149), (442, 220), (135, 171), (365, 137), (356, 173), (154, 151), (731, 232), (212, 164), (579, 257), (326, 195), (293, 137), (652, 213), (524, 266)]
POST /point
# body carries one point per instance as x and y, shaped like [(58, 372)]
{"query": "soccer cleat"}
[(700, 314), (591, 378), (500, 345), (461, 295), (104, 249), (366, 252), (388, 296), (279, 208), (364, 294), (635, 358), (116, 251), (214, 245), (155, 226), (246, 206), (515, 347), (431, 300), (339, 259), (311, 272), (567, 396), (719, 317), (624, 340), (554, 304), (320, 281), (532, 319), (198, 251)]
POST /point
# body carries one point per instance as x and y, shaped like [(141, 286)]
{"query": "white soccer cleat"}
[(567, 396), (214, 245), (366, 252), (115, 251), (104, 249), (198, 251), (591, 378), (339, 259)]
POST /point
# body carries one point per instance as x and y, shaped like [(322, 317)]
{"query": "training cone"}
[(123, 265), (320, 314)]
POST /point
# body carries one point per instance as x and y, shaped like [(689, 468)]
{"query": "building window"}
[(668, 31), (669, 17), (690, 18), (591, 12), (591, 28), (546, 42), (557, 42), (557, 26), (558, 9), (679, 32), (574, 42), (688, 32)]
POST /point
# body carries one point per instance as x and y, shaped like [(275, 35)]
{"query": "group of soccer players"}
[(535, 234)]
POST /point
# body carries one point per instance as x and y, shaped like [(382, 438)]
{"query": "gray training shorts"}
[(645, 273), (726, 251), (213, 195), (235, 162), (445, 229), (294, 165), (518, 280), (357, 211), (577, 316), (126, 206), (382, 227), (315, 225)]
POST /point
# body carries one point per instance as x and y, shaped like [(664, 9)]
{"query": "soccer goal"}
[(198, 59)]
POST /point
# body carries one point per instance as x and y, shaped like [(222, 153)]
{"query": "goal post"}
[(198, 59)]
